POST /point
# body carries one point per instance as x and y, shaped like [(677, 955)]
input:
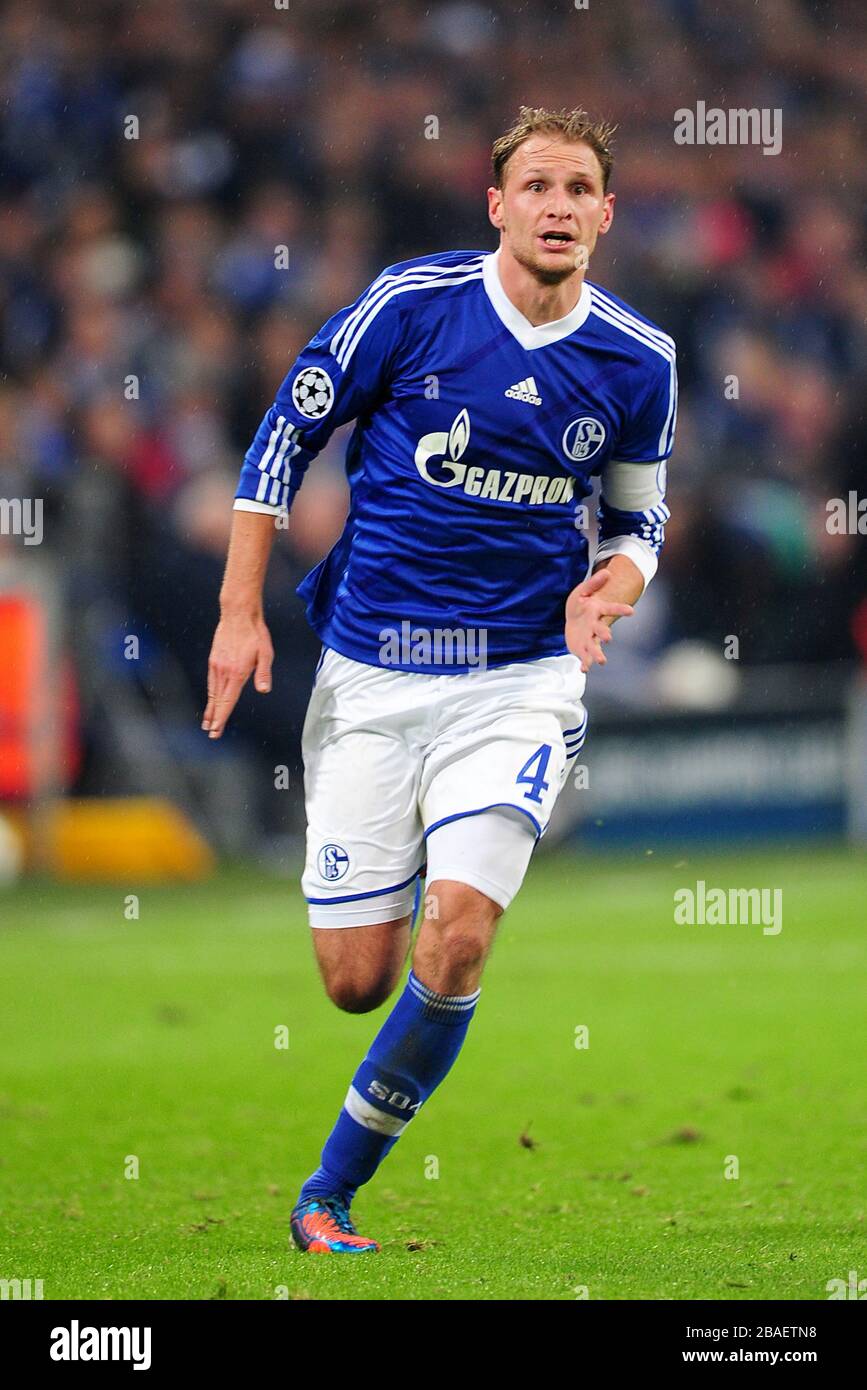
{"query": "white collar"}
[(530, 335)]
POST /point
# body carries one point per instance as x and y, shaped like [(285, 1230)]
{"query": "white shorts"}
[(390, 757)]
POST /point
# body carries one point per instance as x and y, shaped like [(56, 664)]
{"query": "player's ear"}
[(608, 214), (495, 207)]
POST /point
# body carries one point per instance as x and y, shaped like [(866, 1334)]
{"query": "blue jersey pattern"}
[(476, 440)]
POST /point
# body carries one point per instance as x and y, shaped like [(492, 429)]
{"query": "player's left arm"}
[(632, 516)]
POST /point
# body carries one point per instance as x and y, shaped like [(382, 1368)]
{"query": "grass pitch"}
[(539, 1169)]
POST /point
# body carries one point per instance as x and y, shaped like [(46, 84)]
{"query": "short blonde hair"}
[(569, 125)]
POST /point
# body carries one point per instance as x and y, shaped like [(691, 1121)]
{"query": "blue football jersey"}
[(477, 437)]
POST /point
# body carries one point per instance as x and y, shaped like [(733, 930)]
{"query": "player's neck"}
[(538, 303)]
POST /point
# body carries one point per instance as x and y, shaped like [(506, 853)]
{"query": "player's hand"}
[(586, 612), (242, 645)]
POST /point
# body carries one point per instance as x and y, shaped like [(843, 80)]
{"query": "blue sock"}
[(410, 1055)]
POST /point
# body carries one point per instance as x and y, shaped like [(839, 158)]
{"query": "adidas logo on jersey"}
[(525, 391)]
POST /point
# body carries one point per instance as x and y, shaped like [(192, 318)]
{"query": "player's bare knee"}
[(464, 947), (454, 942), (358, 995), (360, 966), (358, 986)]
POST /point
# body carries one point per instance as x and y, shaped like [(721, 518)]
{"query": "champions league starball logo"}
[(583, 438), (313, 393)]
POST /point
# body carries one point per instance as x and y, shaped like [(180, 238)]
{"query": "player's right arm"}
[(242, 642), (340, 374)]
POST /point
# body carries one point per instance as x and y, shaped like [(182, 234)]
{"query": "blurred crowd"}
[(154, 156)]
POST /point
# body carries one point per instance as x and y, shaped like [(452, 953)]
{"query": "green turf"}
[(155, 1038)]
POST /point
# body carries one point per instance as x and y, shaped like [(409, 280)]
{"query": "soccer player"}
[(456, 613)]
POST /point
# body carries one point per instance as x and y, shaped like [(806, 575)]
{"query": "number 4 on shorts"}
[(535, 778)]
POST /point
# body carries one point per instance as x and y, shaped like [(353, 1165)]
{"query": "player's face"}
[(551, 207)]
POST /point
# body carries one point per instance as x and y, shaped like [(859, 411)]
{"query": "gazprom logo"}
[(583, 438), (333, 862), (448, 448), (439, 460)]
